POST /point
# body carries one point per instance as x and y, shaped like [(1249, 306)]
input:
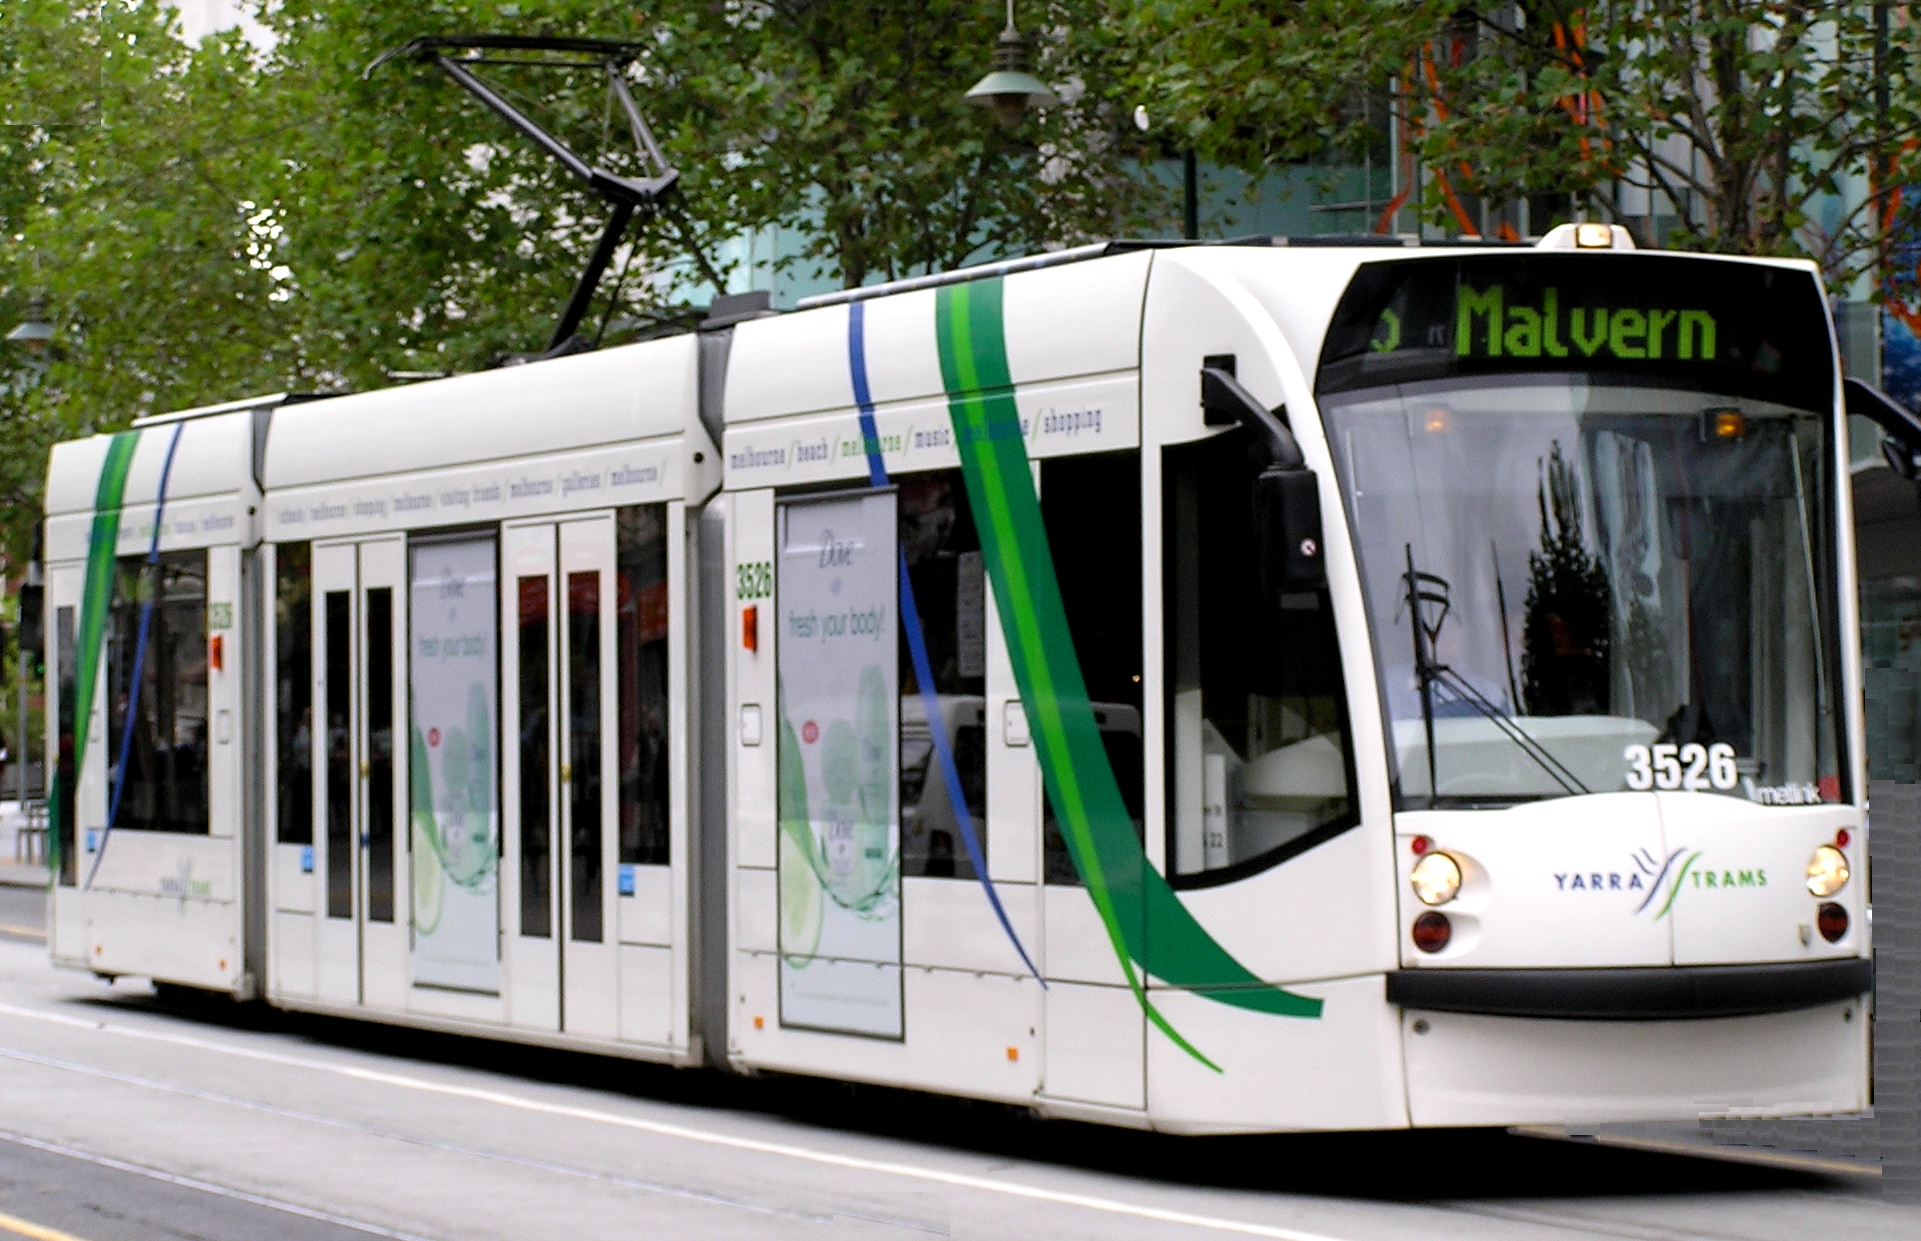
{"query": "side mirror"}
[(1900, 430), (1287, 496), (1287, 532)]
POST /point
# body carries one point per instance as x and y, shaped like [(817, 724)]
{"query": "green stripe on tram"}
[(1146, 922), (103, 544)]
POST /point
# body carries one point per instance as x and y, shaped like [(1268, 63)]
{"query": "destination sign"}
[(1727, 327)]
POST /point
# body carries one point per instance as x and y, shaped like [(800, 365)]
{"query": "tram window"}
[(340, 773), (293, 692), (583, 719), (536, 809), (66, 812), (160, 765), (380, 754), (943, 554), (1092, 509), (1259, 764), (641, 639)]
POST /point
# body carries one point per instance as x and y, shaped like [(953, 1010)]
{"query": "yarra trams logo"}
[(1662, 882)]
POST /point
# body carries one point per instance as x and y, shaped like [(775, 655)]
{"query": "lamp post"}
[(35, 335), (1010, 89)]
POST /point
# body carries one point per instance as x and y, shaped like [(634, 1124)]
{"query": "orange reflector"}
[(750, 628), (216, 653), (1013, 1053), (760, 1023)]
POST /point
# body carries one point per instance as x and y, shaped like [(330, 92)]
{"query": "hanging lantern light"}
[(1010, 89)]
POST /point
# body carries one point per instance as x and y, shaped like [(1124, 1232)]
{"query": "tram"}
[(1209, 688)]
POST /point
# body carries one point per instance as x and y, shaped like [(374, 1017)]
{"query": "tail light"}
[(1432, 931), (1832, 921)]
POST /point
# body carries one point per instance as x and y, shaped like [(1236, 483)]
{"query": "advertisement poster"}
[(456, 824), (839, 857)]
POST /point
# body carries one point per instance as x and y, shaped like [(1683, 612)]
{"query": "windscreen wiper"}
[(1429, 591)]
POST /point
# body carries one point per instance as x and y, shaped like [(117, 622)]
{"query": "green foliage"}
[(211, 222), (1768, 127), (128, 166), (845, 120)]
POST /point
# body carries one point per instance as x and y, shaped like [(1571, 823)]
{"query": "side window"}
[(943, 554), (1259, 758), (641, 610), (293, 692), (164, 784), (1092, 509), (66, 759)]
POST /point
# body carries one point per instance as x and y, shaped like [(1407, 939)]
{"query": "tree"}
[(126, 163), (845, 120), (211, 222), (1752, 126)]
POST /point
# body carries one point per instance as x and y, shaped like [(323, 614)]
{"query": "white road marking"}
[(207, 1187), (27, 1228), (352, 1126), (937, 1176)]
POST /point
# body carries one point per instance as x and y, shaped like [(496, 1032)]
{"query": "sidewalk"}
[(13, 872)]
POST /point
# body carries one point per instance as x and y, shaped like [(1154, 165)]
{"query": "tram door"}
[(360, 782), (560, 794)]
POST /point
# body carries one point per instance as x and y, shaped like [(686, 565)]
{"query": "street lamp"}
[(35, 333), (1010, 89)]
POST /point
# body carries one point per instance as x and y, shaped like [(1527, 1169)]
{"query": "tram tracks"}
[(911, 1172), (992, 1178)]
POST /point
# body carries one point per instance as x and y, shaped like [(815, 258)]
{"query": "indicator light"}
[(1593, 237), (1841, 839), (1723, 424), (1432, 931), (1421, 845), (1827, 871), (1832, 921), (1436, 879)]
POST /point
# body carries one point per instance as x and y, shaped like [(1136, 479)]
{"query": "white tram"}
[(1216, 688)]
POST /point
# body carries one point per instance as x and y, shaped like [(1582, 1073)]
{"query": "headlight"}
[(1827, 871), (1437, 879)]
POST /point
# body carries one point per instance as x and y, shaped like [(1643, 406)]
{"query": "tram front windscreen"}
[(1592, 499)]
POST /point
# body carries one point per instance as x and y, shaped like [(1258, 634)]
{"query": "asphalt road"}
[(123, 1118)]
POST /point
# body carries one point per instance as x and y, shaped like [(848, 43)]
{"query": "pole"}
[(1190, 197), (20, 750)]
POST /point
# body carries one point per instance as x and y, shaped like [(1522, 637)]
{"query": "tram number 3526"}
[(1693, 766)]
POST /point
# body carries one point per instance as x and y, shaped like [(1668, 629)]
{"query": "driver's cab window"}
[(1259, 757)]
